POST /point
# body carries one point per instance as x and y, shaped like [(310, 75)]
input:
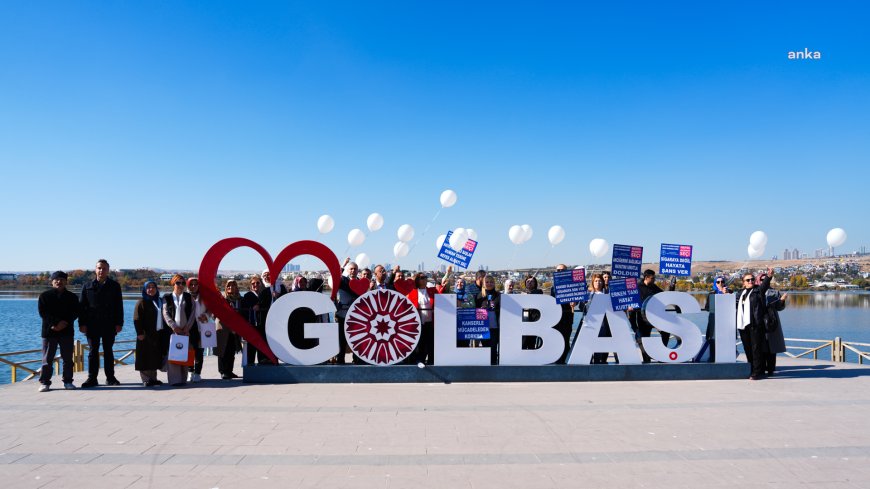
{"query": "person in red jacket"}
[(423, 298)]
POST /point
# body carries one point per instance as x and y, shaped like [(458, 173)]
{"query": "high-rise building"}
[(795, 254), (786, 255)]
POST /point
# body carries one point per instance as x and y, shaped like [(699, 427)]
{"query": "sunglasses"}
[(748, 279), (720, 281)]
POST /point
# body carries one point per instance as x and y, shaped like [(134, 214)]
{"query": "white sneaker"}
[(195, 378), (44, 388), (69, 386), (190, 376)]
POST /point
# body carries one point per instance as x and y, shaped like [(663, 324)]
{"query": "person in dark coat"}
[(300, 316), (719, 287), (228, 341), (566, 322), (346, 297), (643, 329), (752, 319), (258, 301), (101, 317), (775, 336), (58, 309), (150, 329), (490, 299), (531, 284)]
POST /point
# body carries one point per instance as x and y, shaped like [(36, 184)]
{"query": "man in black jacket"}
[(648, 288), (58, 309), (258, 301), (101, 317)]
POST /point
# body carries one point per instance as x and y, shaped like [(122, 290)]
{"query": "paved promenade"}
[(807, 427)]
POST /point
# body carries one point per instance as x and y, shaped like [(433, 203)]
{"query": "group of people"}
[(99, 310)]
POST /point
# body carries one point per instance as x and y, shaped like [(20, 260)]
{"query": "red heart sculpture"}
[(216, 303), (404, 286), (359, 285)]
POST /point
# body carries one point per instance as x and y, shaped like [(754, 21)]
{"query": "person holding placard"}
[(647, 289), (423, 298), (490, 299), (566, 322), (148, 321), (596, 287), (203, 320), (178, 313)]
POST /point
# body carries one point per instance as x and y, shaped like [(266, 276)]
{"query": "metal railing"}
[(78, 358)]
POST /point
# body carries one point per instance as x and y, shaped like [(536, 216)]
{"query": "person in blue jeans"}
[(58, 308)]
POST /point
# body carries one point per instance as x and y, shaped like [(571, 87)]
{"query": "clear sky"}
[(143, 132)]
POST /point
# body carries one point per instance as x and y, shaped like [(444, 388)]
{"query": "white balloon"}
[(405, 233), (598, 247), (472, 234), (836, 237), (401, 249), (440, 241), (375, 222), (556, 234), (448, 198), (758, 240), (458, 239), (363, 260), (527, 232), (516, 234), (355, 238), (325, 224), (754, 252)]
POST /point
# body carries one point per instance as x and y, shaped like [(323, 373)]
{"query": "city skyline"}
[(144, 133)]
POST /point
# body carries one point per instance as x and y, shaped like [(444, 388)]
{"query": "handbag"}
[(207, 335), (180, 352)]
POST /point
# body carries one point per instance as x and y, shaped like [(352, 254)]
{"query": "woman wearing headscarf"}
[(752, 319), (227, 340), (490, 299), (148, 321)]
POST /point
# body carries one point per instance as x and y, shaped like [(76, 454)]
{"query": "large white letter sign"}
[(671, 322), (446, 351), (513, 329), (726, 328), (276, 329), (621, 340)]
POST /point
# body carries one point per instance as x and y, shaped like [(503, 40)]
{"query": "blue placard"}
[(627, 261), (624, 294), (472, 324), (461, 258), (569, 286), (676, 259)]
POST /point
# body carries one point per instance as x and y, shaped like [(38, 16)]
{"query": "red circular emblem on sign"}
[(382, 327), (673, 355)]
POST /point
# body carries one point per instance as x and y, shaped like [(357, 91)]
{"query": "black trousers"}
[(425, 351), (753, 345), (645, 330), (492, 343), (108, 342), (198, 355), (49, 350), (769, 363)]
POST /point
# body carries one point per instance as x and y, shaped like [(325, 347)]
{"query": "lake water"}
[(809, 315)]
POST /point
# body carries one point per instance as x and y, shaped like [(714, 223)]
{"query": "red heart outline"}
[(404, 286), (214, 300), (359, 285)]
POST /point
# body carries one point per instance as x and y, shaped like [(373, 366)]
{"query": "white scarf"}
[(159, 324), (425, 305), (744, 310), (177, 299)]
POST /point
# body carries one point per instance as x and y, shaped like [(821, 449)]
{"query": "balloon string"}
[(425, 231)]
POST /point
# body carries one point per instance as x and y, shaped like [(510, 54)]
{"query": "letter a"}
[(621, 341)]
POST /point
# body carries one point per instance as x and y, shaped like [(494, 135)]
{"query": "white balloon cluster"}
[(598, 247), (519, 234), (757, 242)]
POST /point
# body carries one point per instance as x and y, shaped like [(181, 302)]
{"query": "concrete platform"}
[(368, 374), (805, 427)]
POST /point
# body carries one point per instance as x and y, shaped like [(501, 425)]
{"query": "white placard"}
[(207, 335), (178, 348)]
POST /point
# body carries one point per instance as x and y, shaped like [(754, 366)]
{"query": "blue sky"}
[(145, 132)]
